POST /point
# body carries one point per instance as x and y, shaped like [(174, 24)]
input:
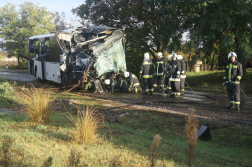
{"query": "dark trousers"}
[(175, 86), (233, 91), (168, 83), (148, 84), (160, 79), (182, 85)]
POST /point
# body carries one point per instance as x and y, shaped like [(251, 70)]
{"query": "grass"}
[(115, 146), (126, 142), (211, 81)]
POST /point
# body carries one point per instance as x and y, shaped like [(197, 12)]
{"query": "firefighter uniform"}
[(146, 71), (233, 75), (182, 74), (168, 76), (133, 82), (116, 86), (174, 70), (160, 73)]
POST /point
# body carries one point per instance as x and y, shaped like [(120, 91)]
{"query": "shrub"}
[(37, 104), (86, 124)]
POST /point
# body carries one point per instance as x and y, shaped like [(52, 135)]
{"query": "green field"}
[(125, 142)]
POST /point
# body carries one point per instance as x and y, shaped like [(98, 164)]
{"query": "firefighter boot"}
[(237, 107), (231, 106)]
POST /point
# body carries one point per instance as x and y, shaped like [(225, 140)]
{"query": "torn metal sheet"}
[(92, 53)]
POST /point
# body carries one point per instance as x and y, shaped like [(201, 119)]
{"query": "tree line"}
[(214, 27)]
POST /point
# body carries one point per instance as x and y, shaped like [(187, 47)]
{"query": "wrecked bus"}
[(77, 57)]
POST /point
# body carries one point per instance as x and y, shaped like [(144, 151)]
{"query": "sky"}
[(51, 5)]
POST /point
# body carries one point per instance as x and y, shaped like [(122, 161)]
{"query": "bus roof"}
[(49, 35)]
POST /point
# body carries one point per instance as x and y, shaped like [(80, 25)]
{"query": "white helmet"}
[(126, 74), (107, 81), (169, 57), (232, 54), (146, 56), (174, 55), (179, 57), (159, 54)]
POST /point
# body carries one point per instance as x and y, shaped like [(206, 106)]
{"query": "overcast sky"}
[(51, 5)]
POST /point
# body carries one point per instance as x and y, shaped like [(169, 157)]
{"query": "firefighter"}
[(160, 73), (133, 82), (174, 70), (182, 75), (146, 71), (168, 82), (115, 85), (233, 75)]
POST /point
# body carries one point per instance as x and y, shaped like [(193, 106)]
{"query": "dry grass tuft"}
[(86, 124), (5, 151), (115, 161), (155, 143), (37, 104), (74, 158), (190, 131)]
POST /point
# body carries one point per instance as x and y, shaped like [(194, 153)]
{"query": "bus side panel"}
[(52, 72), (38, 69)]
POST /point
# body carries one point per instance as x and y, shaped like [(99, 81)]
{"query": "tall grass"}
[(190, 131), (37, 104), (86, 125)]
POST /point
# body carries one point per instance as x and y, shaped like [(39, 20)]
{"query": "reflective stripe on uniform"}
[(168, 87), (136, 84), (147, 63), (229, 72), (182, 90), (113, 83), (239, 77), (183, 76), (174, 79), (146, 90), (182, 72), (231, 101), (155, 85), (147, 76), (176, 93), (121, 83), (236, 102), (151, 90), (178, 72), (234, 66)]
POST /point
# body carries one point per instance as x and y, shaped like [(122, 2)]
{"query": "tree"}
[(18, 25), (222, 23), (60, 22)]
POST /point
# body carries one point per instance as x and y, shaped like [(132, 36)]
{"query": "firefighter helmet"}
[(169, 57), (174, 55), (126, 74), (159, 54), (146, 56), (231, 54), (179, 57), (107, 81)]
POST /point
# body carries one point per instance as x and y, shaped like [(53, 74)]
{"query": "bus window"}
[(47, 45), (32, 50), (36, 46), (42, 48)]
